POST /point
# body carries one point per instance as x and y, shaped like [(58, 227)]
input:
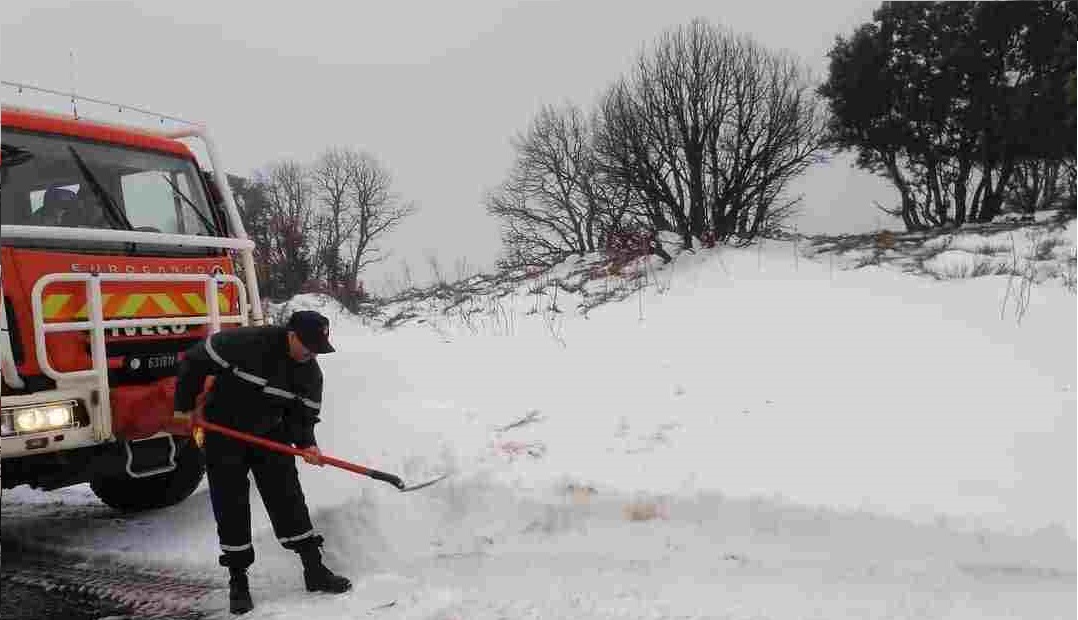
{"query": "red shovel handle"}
[(269, 444)]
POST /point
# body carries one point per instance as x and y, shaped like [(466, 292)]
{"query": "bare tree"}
[(556, 201), (373, 211), (710, 128), (529, 238), (333, 175), (319, 225), (776, 133), (290, 200)]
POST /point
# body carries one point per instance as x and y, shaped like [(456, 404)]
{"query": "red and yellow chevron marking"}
[(70, 307)]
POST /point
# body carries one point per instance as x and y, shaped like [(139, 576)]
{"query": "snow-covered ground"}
[(748, 437), (1036, 252)]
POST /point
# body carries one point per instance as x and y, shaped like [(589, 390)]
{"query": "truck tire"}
[(128, 494)]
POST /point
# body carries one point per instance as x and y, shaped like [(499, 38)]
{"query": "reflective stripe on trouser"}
[(227, 464)]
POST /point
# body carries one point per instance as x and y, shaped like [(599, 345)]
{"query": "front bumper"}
[(47, 441), (82, 434)]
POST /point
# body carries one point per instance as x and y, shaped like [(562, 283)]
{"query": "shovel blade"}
[(421, 485)]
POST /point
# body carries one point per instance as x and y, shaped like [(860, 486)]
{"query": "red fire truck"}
[(119, 251)]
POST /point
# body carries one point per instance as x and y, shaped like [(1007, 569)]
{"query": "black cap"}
[(312, 329)]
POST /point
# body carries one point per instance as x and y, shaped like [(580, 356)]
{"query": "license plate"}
[(152, 365)]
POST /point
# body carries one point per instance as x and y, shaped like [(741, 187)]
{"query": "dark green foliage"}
[(954, 102)]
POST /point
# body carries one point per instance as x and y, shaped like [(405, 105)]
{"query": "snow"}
[(1040, 254), (749, 436), (1026, 254), (962, 264)]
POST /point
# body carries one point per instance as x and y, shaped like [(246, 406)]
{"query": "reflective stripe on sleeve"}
[(255, 379), (269, 389), (214, 356), (261, 382)]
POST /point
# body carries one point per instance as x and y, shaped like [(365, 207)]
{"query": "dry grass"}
[(645, 511)]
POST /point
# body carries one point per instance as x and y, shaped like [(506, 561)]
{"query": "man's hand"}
[(313, 455), (186, 420)]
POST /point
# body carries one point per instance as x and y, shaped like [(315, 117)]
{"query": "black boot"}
[(239, 592), (317, 577)]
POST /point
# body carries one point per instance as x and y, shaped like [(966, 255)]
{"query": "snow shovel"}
[(328, 460)]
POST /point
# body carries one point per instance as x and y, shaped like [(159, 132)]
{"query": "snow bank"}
[(747, 417)]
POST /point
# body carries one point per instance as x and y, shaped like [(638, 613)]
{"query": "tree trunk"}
[(909, 205), (683, 228), (975, 205), (937, 196), (589, 226), (1051, 184), (993, 196), (991, 206), (926, 210), (656, 247), (717, 220), (960, 192), (696, 193)]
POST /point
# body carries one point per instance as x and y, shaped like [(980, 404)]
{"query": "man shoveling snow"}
[(267, 383)]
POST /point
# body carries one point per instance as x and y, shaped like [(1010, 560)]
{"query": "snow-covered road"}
[(474, 550)]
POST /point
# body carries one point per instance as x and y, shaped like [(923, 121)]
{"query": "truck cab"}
[(119, 251)]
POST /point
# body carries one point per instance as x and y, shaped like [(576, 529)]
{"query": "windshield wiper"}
[(103, 196), (11, 155), (205, 220)]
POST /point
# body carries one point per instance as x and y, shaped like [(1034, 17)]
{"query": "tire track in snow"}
[(144, 594)]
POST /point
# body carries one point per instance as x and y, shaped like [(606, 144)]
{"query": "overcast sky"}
[(434, 90)]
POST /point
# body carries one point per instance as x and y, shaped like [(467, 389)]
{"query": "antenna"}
[(74, 105)]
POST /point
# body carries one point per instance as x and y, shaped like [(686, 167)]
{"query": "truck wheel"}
[(136, 494)]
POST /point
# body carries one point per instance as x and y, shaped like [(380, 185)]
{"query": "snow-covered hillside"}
[(752, 434)]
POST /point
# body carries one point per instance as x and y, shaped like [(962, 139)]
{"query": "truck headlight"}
[(50, 416)]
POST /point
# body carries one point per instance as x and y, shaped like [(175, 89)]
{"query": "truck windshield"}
[(52, 180)]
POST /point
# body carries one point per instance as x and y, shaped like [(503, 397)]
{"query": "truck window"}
[(46, 186), (161, 207)]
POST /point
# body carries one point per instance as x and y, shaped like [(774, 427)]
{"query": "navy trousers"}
[(228, 462)]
